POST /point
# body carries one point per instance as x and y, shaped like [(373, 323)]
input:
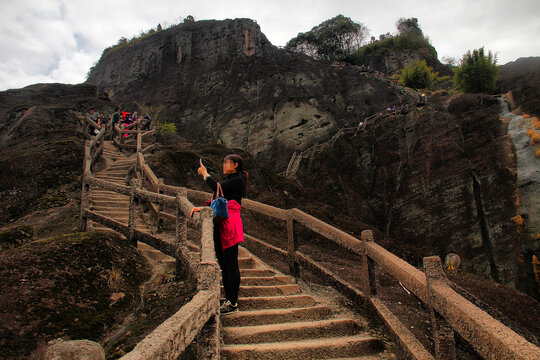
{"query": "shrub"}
[(167, 128), (419, 76), (477, 72)]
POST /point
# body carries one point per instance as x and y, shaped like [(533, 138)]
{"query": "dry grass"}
[(518, 220), (538, 153), (526, 116), (536, 123), (535, 136)]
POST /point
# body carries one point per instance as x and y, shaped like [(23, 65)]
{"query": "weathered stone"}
[(233, 86), (75, 350)]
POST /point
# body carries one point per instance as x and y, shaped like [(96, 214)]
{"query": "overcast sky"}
[(58, 40)]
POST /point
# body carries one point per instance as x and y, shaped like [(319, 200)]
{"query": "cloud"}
[(58, 40)]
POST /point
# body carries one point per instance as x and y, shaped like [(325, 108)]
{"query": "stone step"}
[(109, 177), (290, 331), (257, 272), (108, 196), (119, 167), (268, 280), (276, 316), (115, 172), (273, 290), (305, 349), (275, 302), (110, 203), (121, 211), (246, 262), (108, 193)]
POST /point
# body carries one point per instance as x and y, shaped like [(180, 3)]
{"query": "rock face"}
[(522, 78), (438, 180), (392, 62), (441, 179), (225, 81)]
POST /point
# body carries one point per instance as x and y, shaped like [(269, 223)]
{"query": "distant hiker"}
[(229, 232), (146, 122), (102, 120), (94, 115), (115, 120)]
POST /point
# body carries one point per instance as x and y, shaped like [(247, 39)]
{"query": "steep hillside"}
[(223, 80), (41, 156), (522, 78), (44, 294)]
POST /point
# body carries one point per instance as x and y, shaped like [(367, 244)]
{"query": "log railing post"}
[(292, 244), (208, 343), (181, 219), (85, 202), (133, 214), (443, 334), (160, 191), (369, 282)]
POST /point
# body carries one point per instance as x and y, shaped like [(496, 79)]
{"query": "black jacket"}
[(233, 187)]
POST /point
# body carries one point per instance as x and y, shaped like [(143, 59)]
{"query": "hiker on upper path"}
[(114, 120), (229, 232)]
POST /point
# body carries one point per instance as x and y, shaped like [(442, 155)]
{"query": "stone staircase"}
[(116, 206), (108, 203), (279, 320)]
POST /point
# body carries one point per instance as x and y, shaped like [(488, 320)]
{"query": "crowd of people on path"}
[(121, 117)]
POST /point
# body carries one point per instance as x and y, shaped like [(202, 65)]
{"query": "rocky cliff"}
[(439, 179), (223, 80), (392, 61), (522, 79)]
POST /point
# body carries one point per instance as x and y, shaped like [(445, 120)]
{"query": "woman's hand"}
[(202, 169), (194, 210)]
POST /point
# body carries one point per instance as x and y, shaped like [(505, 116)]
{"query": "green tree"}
[(409, 27), (167, 128), (477, 72), (333, 39), (419, 76)]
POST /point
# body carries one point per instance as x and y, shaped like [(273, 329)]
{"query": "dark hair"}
[(237, 159), (117, 108)]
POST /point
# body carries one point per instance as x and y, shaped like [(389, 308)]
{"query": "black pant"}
[(228, 262)]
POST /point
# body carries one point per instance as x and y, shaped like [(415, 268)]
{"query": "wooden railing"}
[(201, 314), (450, 312)]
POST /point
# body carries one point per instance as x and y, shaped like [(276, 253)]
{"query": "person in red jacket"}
[(229, 233)]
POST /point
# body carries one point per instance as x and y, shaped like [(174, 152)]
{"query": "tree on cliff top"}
[(409, 27), (409, 36), (331, 40), (477, 72)]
